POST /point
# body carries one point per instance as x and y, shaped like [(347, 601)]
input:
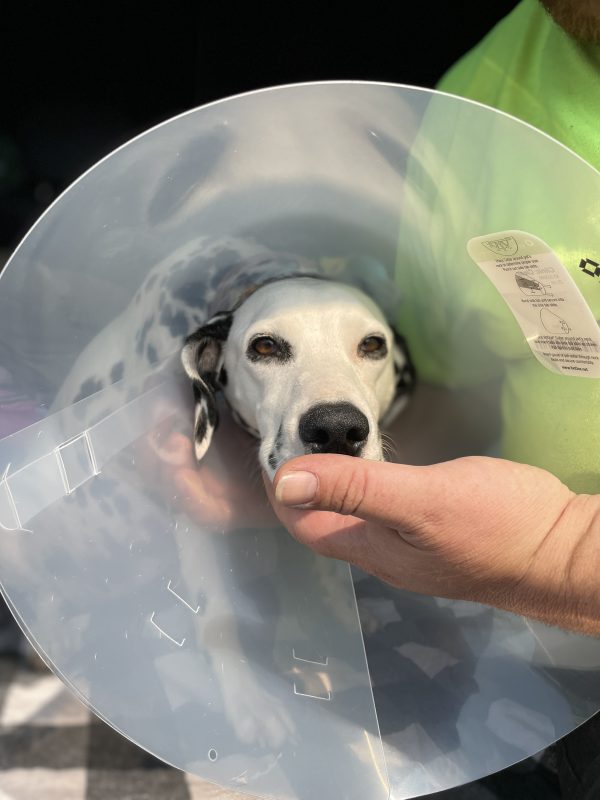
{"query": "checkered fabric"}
[(53, 748)]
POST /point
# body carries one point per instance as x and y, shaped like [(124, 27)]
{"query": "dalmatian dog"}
[(306, 362), (306, 365)]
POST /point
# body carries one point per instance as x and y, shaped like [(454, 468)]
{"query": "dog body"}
[(306, 365)]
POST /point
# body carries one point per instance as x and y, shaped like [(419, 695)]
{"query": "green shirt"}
[(474, 173), (530, 68)]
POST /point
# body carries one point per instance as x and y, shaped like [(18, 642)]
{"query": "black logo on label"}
[(590, 267)]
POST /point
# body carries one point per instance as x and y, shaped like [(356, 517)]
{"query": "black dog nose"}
[(334, 428)]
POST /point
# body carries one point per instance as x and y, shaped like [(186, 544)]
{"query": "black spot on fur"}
[(197, 389), (406, 376), (405, 382), (117, 371), (272, 460), (141, 335), (198, 264), (279, 439), (209, 377), (203, 391), (217, 280), (177, 323), (190, 293), (223, 377), (225, 258), (87, 388), (219, 329), (152, 354), (213, 414), (196, 274), (201, 427)]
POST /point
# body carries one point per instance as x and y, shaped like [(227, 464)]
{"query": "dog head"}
[(306, 365)]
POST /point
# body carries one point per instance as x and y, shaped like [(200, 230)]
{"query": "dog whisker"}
[(388, 447), (389, 443)]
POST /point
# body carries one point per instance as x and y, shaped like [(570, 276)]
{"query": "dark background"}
[(78, 80)]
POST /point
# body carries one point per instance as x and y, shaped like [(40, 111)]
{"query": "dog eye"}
[(269, 349), (264, 346), (372, 345)]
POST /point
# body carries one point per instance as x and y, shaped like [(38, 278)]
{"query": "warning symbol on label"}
[(590, 267), (502, 247)]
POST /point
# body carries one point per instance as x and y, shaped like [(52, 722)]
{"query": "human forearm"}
[(563, 586), (480, 529)]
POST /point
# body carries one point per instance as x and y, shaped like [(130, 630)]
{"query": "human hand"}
[(475, 528)]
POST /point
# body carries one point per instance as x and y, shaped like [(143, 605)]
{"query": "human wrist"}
[(579, 528), (561, 585)]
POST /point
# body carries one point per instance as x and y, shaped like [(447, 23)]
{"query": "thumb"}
[(374, 491), (352, 509)]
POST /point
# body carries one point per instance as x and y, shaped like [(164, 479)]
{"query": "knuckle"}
[(349, 491)]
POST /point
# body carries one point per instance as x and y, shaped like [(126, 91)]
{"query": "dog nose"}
[(334, 428)]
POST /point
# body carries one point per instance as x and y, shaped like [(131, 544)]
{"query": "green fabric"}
[(474, 173), (530, 68)]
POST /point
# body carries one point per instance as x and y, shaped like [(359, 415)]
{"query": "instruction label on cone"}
[(555, 319)]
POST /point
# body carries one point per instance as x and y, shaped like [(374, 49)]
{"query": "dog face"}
[(306, 365)]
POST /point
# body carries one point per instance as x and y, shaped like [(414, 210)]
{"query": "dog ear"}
[(405, 377), (201, 359)]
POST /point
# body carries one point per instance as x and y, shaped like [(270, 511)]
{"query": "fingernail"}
[(297, 488)]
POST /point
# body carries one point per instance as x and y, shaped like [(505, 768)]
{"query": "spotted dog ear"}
[(406, 378), (201, 359)]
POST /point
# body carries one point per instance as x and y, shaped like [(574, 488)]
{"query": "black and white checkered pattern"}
[(53, 748)]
